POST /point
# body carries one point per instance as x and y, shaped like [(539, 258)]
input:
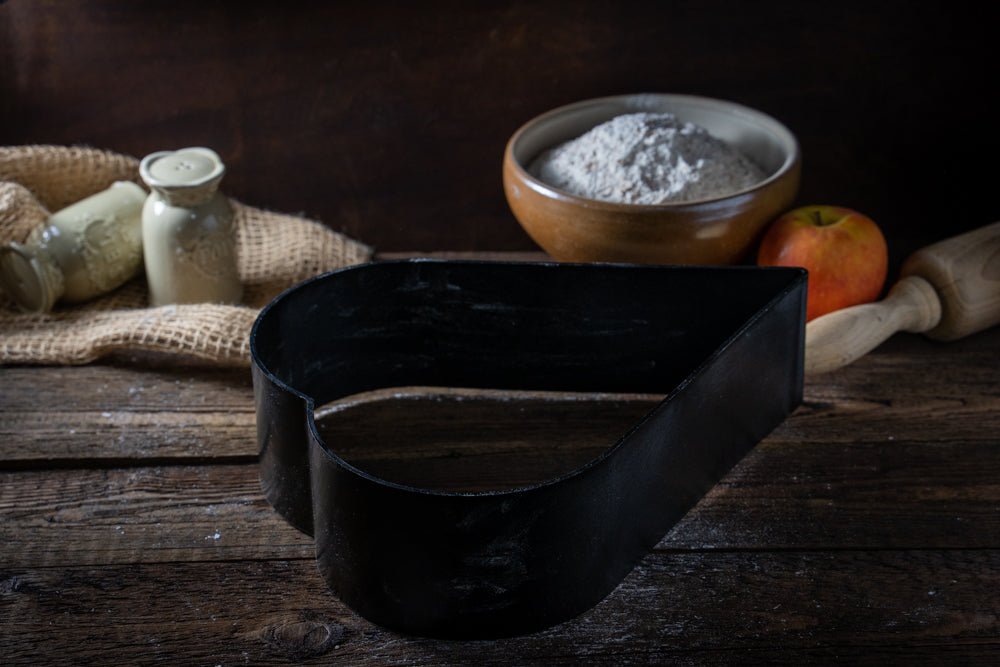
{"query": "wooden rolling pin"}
[(946, 291)]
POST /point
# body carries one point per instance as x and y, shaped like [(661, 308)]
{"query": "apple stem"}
[(819, 219)]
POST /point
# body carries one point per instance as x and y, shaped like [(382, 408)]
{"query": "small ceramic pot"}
[(187, 229), (82, 251)]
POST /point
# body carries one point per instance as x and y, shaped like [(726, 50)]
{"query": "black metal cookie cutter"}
[(724, 345)]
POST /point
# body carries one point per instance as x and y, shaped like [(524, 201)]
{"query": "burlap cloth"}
[(275, 251)]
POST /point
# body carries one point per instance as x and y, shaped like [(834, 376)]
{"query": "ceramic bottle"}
[(80, 252), (187, 229)]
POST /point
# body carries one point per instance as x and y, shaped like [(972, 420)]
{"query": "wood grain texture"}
[(841, 337), (965, 271), (130, 411), (695, 608), (137, 515), (865, 528)]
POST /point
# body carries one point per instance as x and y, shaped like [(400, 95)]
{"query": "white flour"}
[(646, 158)]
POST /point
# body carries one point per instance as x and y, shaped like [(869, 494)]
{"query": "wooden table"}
[(865, 528)]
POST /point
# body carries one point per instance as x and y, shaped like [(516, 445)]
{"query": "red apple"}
[(843, 250)]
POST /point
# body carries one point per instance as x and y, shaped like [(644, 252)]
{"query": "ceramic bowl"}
[(723, 230)]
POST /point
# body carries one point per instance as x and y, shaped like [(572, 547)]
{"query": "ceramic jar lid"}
[(185, 177)]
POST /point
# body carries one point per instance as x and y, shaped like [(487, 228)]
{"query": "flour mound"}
[(646, 158)]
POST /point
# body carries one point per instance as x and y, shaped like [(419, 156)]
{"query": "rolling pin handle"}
[(843, 336), (948, 290)]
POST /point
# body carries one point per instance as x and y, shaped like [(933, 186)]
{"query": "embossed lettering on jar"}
[(188, 236), (80, 252)]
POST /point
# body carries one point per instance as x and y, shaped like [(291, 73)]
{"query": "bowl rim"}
[(780, 130)]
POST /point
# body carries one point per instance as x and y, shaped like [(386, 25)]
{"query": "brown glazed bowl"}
[(716, 231)]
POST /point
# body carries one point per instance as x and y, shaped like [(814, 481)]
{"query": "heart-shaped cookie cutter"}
[(724, 345)]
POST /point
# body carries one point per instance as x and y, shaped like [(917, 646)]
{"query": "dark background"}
[(387, 120)]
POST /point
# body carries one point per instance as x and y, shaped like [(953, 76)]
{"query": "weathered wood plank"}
[(124, 382), (119, 412), (902, 495), (695, 608), (865, 528), (132, 515), (122, 411)]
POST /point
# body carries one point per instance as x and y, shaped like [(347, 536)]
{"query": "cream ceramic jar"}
[(80, 252), (187, 229)]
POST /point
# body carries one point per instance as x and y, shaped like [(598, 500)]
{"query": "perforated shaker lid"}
[(184, 167)]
